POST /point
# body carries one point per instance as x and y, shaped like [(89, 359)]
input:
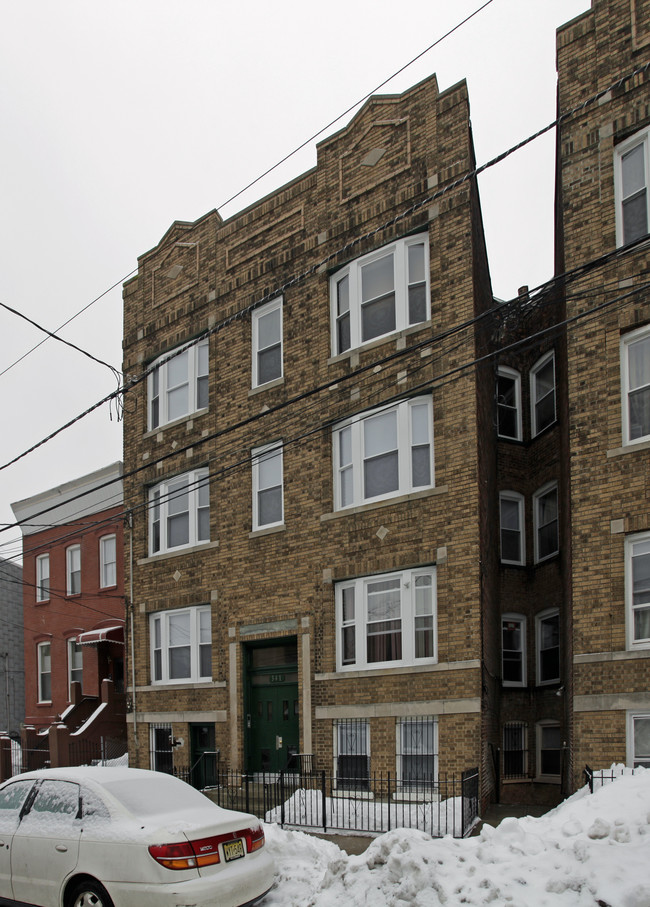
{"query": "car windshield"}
[(152, 796)]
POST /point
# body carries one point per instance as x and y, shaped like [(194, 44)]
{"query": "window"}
[(637, 590), (549, 751), (509, 404), (181, 645), (380, 293), (631, 188), (386, 620), (638, 739), (267, 342), (511, 509), (107, 561), (75, 664), (43, 578), (547, 625), (352, 748), (73, 569), (635, 385), (268, 505), (44, 662), (542, 393), (513, 650), (179, 512), (417, 752), (178, 384), (515, 754), (162, 758), (383, 453), (545, 508)]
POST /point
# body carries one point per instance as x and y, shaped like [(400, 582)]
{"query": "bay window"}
[(513, 650), (542, 393), (547, 625), (631, 188), (181, 645), (178, 384), (179, 512), (637, 590), (635, 385), (545, 510), (511, 511)]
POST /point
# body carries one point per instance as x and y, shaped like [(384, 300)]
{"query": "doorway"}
[(272, 733), (203, 756)]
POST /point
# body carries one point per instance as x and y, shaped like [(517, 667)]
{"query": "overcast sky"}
[(118, 118)]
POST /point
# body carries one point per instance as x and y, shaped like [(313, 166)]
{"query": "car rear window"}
[(153, 796)]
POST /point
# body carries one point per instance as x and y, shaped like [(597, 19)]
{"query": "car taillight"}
[(204, 851)]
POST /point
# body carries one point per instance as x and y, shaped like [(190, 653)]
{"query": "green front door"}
[(272, 726)]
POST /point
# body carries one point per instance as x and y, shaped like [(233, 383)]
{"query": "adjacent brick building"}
[(12, 675)]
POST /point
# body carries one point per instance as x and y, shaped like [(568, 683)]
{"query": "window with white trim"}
[(631, 169), (635, 385), (352, 753), (380, 293), (178, 384), (181, 645), (549, 751), (547, 634), (161, 750), (513, 544), (75, 664), (417, 752), (43, 578), (637, 590), (509, 404), (107, 561), (179, 512), (383, 453), (267, 342), (73, 569), (545, 510), (386, 620), (513, 650), (44, 667), (542, 393), (638, 739), (268, 486)]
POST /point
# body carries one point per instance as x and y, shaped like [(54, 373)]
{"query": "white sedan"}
[(125, 837)]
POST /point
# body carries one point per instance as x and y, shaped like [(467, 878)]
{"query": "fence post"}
[(59, 737), (247, 793), (389, 801), (323, 801), (589, 778), (282, 799)]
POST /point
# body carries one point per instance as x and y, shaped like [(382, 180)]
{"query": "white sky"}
[(119, 118)]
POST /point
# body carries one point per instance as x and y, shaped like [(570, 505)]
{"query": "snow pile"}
[(594, 849)]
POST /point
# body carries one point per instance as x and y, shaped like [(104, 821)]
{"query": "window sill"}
[(108, 588), (352, 794), (545, 560), (268, 385), (396, 336), (547, 779), (271, 530), (159, 432), (387, 502), (357, 673), (633, 447), (45, 601), (179, 685), (190, 549)]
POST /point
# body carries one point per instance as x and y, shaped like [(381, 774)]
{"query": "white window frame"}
[(635, 546), (640, 336), (74, 667), (43, 652), (43, 578), (620, 151), (540, 619), (512, 375), (107, 566), (165, 497), (522, 650), (404, 747), (536, 429), (199, 621), (72, 568), (349, 449), (540, 727), (513, 497), (159, 388), (634, 759), (352, 621), (261, 456), (353, 271), (275, 305), (540, 494)]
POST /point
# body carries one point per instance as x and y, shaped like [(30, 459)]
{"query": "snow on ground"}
[(592, 850)]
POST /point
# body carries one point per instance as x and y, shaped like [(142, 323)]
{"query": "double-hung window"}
[(267, 342), (181, 645), (352, 749), (513, 650), (545, 508), (547, 626), (549, 751), (107, 561), (44, 664), (635, 385), (631, 168), (73, 569), (542, 393), (417, 752), (43, 578), (383, 453), (637, 590), (178, 384), (386, 620), (380, 293), (268, 492), (509, 404), (638, 739), (179, 512), (511, 510), (75, 664)]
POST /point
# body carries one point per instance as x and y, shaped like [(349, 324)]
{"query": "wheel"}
[(88, 893)]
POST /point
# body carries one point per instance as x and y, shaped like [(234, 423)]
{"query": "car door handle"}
[(61, 848)]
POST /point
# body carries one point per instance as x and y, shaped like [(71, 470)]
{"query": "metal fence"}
[(595, 778)]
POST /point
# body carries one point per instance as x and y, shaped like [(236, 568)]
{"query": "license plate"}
[(233, 850)]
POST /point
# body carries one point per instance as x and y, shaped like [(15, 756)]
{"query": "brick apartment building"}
[(12, 674), (73, 608)]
